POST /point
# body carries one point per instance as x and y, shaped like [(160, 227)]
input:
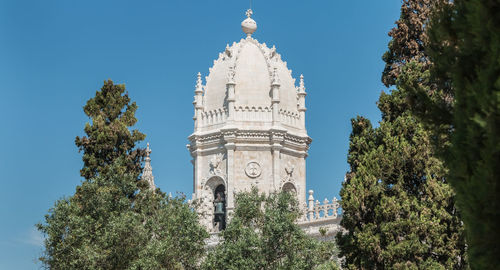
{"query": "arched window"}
[(220, 207), (289, 187)]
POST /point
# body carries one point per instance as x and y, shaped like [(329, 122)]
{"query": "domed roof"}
[(253, 64)]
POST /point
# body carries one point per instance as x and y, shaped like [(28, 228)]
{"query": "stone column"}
[(197, 161), (276, 139), (276, 148), (229, 137), (302, 102), (230, 85), (275, 86), (198, 103), (310, 208)]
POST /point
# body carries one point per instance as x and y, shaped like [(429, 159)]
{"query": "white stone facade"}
[(249, 129)]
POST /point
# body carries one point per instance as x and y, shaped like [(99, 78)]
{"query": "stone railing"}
[(213, 117), (253, 114), (289, 118), (246, 113), (314, 210)]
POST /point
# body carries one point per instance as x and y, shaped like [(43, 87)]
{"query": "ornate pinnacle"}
[(199, 87), (148, 152), (249, 13), (302, 88), (147, 172), (249, 25)]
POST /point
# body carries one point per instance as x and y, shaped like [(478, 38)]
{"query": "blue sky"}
[(54, 55)]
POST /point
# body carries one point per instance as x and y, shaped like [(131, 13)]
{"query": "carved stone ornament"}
[(253, 169), (215, 164), (289, 168)]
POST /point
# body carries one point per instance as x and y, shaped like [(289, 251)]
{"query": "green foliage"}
[(263, 235), (103, 227), (465, 46), (409, 38), (108, 136), (397, 208), (113, 221)]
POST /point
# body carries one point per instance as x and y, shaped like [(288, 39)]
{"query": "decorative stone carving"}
[(228, 51), (230, 75), (253, 125), (275, 79), (215, 164), (249, 25), (253, 169), (289, 170), (205, 210), (289, 176)]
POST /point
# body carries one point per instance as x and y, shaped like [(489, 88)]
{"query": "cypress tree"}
[(114, 221), (398, 209), (108, 135), (409, 39), (465, 46)]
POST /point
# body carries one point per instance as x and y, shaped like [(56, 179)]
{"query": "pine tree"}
[(263, 234), (465, 46), (108, 136)]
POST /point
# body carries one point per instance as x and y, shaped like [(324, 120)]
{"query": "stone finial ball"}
[(249, 26)]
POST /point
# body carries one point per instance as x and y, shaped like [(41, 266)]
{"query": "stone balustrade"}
[(289, 118), (253, 114), (243, 114), (213, 117), (314, 210)]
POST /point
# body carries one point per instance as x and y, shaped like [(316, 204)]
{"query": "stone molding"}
[(258, 139)]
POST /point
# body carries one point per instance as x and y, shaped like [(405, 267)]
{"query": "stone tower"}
[(249, 127)]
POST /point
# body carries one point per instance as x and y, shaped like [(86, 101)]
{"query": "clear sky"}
[(55, 54)]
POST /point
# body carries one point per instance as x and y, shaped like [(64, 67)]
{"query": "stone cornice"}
[(248, 139)]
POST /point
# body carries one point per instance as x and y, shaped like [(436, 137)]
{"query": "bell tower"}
[(249, 128)]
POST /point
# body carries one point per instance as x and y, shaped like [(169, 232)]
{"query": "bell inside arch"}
[(220, 208)]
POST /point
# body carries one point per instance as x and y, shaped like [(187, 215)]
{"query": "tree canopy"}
[(114, 221), (263, 234), (465, 47), (398, 207), (108, 135)]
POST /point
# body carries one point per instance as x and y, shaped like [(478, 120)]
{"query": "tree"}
[(108, 136), (114, 221), (263, 235), (103, 226), (465, 46), (398, 210), (409, 38)]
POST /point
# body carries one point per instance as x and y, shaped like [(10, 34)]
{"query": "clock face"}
[(253, 169)]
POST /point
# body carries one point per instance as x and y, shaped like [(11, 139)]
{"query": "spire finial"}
[(249, 25), (198, 80), (199, 86), (148, 151), (302, 88), (249, 13), (147, 172)]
